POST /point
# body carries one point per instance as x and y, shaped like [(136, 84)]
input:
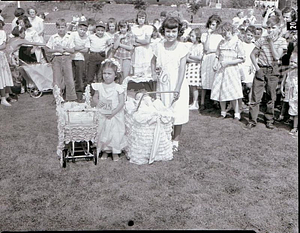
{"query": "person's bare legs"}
[(175, 137), (104, 155), (203, 93), (223, 108), (3, 98)]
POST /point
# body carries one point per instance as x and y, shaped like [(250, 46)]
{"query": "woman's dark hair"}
[(17, 31), (141, 13), (1, 24), (25, 20), (171, 23), (288, 10), (212, 18), (19, 11)]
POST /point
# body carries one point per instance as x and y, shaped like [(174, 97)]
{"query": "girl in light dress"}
[(109, 99), (170, 58), (123, 47), (227, 85), (292, 92), (6, 80), (210, 41), (142, 54), (193, 65), (111, 30)]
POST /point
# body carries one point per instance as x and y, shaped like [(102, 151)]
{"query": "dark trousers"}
[(93, 68), (78, 72), (267, 83)]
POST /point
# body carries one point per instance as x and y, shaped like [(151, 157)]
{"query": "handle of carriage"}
[(24, 62), (155, 92)]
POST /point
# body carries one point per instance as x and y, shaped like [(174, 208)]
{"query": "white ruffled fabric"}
[(148, 131)]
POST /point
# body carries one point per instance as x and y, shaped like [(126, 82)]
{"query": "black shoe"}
[(270, 126), (249, 126), (202, 107)]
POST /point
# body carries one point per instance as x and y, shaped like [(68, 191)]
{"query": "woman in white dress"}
[(36, 22), (142, 54), (170, 57), (210, 41)]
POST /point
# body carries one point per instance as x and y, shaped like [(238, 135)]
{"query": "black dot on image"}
[(157, 0), (130, 223)]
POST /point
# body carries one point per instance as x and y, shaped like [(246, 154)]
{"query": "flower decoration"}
[(114, 61)]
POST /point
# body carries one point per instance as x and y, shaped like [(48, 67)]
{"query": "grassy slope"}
[(223, 178)]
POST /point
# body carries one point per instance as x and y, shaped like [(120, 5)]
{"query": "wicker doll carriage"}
[(148, 128), (77, 129)]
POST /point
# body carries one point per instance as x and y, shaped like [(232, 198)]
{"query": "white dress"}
[(169, 62), (142, 55), (207, 72), (111, 132), (247, 65), (5, 73)]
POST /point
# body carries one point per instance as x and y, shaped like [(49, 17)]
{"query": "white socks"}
[(237, 115), (4, 102)]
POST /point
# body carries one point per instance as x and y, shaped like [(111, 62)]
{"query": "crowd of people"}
[(237, 63)]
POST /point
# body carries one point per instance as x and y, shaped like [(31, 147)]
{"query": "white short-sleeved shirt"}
[(57, 41), (79, 41), (32, 35), (37, 23), (97, 44), (2, 37)]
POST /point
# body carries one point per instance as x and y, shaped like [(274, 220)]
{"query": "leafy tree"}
[(241, 3), (193, 7), (140, 5)]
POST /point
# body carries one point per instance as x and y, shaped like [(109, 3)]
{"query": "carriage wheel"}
[(35, 93), (63, 161), (95, 156)]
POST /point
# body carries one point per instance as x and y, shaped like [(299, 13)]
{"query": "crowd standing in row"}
[(234, 61)]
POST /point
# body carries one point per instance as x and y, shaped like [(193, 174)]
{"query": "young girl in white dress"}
[(142, 54), (6, 80), (193, 65), (109, 98), (170, 57), (210, 40)]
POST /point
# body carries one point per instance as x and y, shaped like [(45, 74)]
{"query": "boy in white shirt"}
[(80, 39), (97, 44), (61, 45), (247, 66)]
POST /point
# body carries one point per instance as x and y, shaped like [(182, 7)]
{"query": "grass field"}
[(223, 178)]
